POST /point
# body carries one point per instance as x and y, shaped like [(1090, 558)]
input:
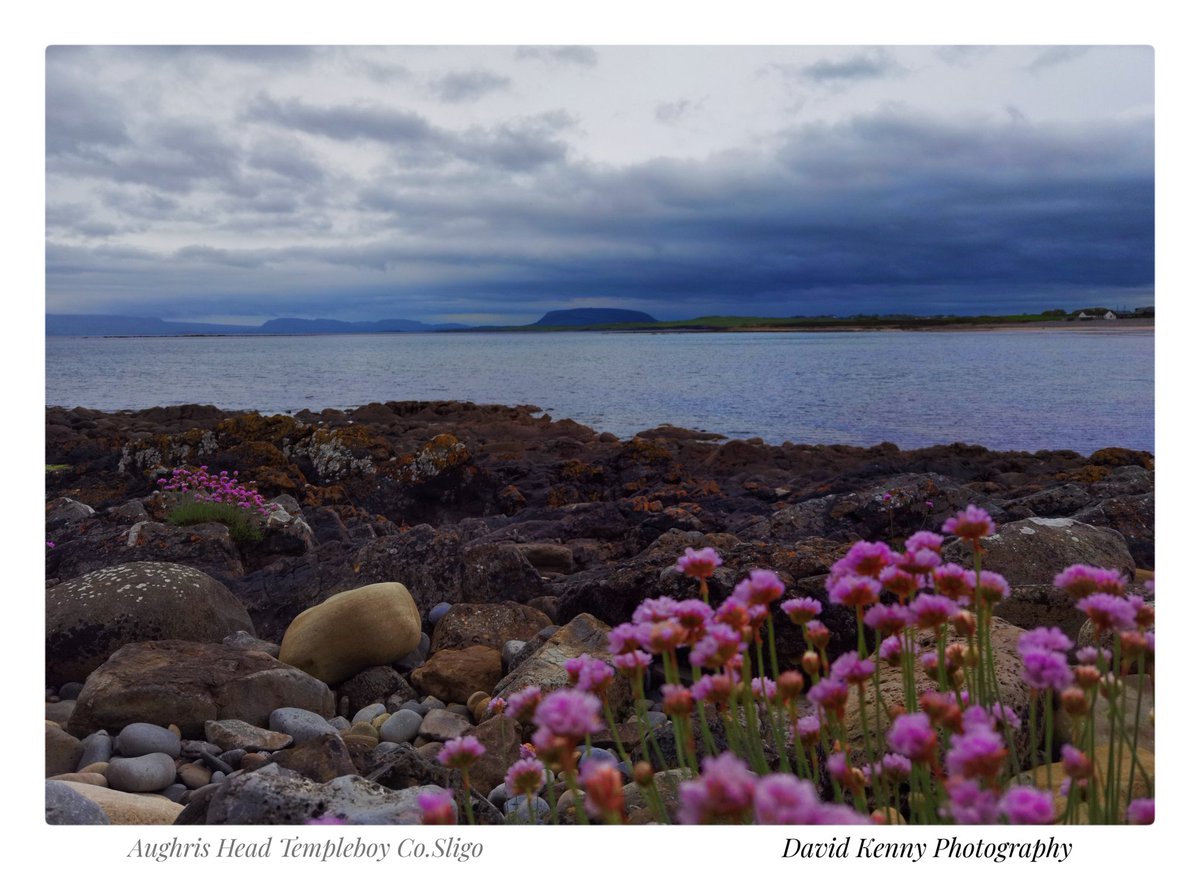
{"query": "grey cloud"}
[(1055, 55), (468, 86), (677, 110), (962, 55), (580, 55), (873, 64), (344, 122)]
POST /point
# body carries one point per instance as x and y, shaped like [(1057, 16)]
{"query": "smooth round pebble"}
[(175, 792), (152, 772), (516, 811), (416, 706), (366, 714), (596, 754), (143, 738), (498, 796), (656, 717), (461, 709), (341, 723), (509, 652), (437, 612), (69, 691), (97, 747), (303, 725), (432, 703), (401, 727)]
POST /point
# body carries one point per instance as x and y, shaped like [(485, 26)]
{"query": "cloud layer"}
[(493, 184)]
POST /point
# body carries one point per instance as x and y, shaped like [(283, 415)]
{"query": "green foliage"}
[(51, 469), (244, 526)]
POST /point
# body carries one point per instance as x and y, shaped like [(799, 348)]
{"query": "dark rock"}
[(490, 625), (65, 806), (455, 674), (373, 685), (321, 759), (91, 617), (188, 683)]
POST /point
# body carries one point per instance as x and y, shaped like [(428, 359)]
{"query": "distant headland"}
[(595, 320)]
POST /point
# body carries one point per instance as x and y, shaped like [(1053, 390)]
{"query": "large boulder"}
[(206, 547), (1133, 517), (187, 683), (91, 617), (353, 630), (583, 634), (1029, 553), (454, 675), (465, 625), (65, 806), (123, 808), (277, 796)]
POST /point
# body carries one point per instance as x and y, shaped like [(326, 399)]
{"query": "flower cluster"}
[(220, 488)]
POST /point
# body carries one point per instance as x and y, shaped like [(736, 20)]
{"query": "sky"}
[(487, 185)]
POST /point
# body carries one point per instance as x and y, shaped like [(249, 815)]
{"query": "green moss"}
[(51, 469), (243, 525)]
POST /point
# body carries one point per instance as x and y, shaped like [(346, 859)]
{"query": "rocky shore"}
[(421, 559)]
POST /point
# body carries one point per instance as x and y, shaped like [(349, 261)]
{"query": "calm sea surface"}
[(1026, 390)]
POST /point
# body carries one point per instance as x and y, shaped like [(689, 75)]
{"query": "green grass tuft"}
[(243, 525)]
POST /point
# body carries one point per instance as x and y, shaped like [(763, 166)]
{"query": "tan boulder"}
[(123, 808), (353, 630), (454, 675)]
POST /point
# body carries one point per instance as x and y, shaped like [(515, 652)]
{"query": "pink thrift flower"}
[(992, 586), (1043, 637), (589, 674), (864, 558), (970, 804), (1026, 805), (461, 752), (1080, 581), (888, 619), (437, 807), (913, 737), (1140, 812), (808, 730), (722, 794), (930, 611), (623, 638), (801, 610), (972, 524), (523, 704), (851, 669), (569, 713), (632, 663), (854, 590), (525, 777), (954, 582), (761, 587), (924, 541), (976, 754), (1109, 612), (1046, 669), (698, 563), (654, 610)]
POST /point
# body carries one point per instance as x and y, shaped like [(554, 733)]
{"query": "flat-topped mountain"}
[(593, 317)]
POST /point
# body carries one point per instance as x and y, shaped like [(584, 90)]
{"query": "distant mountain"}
[(112, 324), (593, 317), (108, 324)]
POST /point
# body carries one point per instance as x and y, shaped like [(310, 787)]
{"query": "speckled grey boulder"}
[(152, 772), (91, 617), (143, 738), (65, 806), (303, 725)]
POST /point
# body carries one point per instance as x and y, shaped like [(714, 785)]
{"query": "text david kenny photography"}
[(944, 847), (454, 848)]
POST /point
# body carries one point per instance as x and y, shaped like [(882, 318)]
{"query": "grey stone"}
[(303, 725), (175, 792), (341, 723), (152, 772), (517, 812), (144, 738), (226, 762), (415, 706), (246, 641), (401, 727), (438, 611), (89, 618), (417, 657), (96, 747), (60, 712), (69, 691), (132, 511), (236, 734), (368, 713), (62, 751), (432, 703), (66, 510), (442, 725), (272, 795), (498, 796), (193, 748), (65, 806), (596, 754), (509, 652), (460, 709)]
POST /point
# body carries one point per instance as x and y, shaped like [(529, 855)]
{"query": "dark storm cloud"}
[(580, 55), (467, 86), (345, 123)]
